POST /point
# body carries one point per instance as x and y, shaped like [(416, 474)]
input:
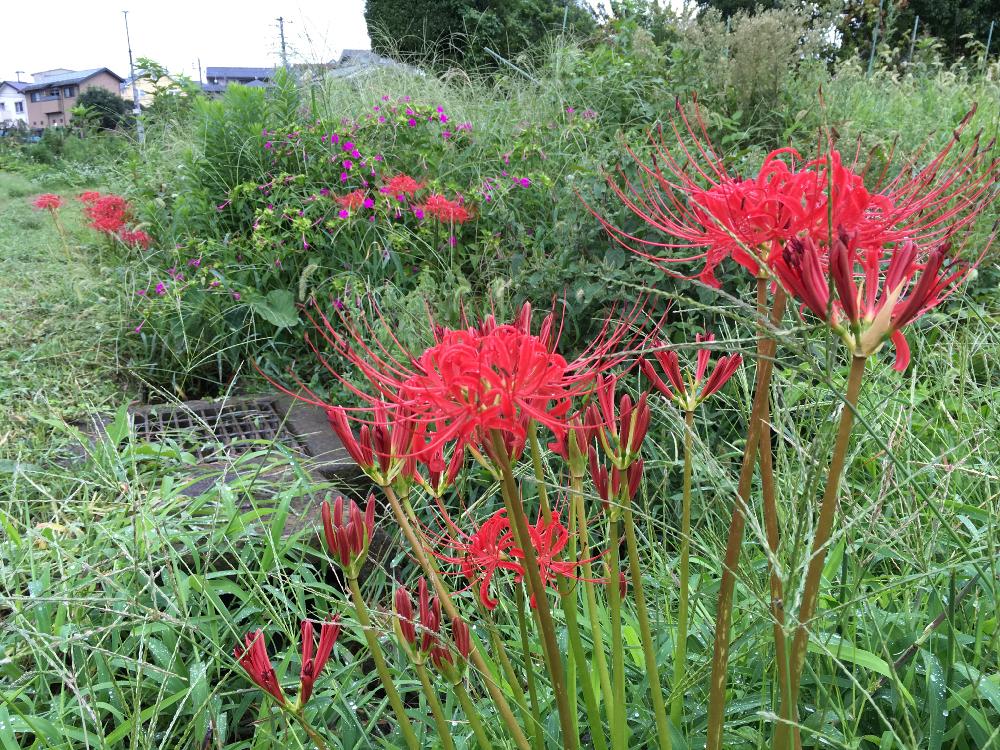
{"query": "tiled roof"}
[(75, 76), (18, 86), (239, 72)]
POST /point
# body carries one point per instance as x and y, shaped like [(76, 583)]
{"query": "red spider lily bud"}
[(701, 359), (348, 541), (403, 605), (725, 368), (600, 477), (430, 616), (257, 663), (522, 321), (637, 425), (842, 270), (312, 664), (622, 584), (634, 476), (338, 423), (800, 269), (926, 290), (441, 659), (462, 637)]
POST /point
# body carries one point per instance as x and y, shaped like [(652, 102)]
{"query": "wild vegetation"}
[(419, 212)]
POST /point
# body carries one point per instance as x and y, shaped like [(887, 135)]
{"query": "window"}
[(3, 106), (35, 96), (69, 91), (19, 107)]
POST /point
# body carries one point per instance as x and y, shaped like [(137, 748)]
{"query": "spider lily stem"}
[(538, 742), (734, 540), (824, 528), (519, 522), (590, 593), (310, 732), (430, 570), (617, 646), (380, 666), (771, 526), (648, 647), (444, 732), (508, 668), (473, 715), (680, 648)]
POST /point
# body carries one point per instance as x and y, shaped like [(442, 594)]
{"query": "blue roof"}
[(18, 86)]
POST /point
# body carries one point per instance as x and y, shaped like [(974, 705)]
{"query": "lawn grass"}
[(61, 323)]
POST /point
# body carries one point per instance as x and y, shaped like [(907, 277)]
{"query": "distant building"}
[(352, 62), (53, 93), (217, 79), (13, 105)]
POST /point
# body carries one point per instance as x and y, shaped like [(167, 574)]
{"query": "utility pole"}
[(136, 109), (281, 31)]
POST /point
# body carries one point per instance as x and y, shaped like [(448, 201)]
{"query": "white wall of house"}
[(12, 105)]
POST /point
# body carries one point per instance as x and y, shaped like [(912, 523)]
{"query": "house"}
[(13, 109), (352, 62), (54, 93), (219, 78)]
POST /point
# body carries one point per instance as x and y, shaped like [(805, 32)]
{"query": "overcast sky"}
[(176, 33)]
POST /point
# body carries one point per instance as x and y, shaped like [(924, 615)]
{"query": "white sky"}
[(78, 35)]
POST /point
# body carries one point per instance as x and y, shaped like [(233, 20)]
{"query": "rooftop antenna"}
[(136, 109), (19, 72)]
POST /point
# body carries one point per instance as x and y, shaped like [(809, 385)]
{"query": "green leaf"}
[(843, 651), (937, 712), (277, 308)]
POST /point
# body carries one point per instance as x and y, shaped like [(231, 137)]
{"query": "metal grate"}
[(215, 432)]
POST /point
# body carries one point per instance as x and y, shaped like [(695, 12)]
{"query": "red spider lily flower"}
[(894, 290), (313, 663), (474, 380), (444, 210), (687, 193), (136, 238), (384, 449), (619, 431), (47, 202), (257, 663), (609, 484), (352, 200), (482, 553), (348, 537), (549, 539), (88, 197), (108, 214), (402, 184), (418, 636), (688, 394)]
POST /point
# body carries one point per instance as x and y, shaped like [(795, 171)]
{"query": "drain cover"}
[(215, 432)]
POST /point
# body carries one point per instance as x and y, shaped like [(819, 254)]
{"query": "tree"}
[(460, 30), (111, 110)]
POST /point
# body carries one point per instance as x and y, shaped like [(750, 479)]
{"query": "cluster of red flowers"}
[(47, 202), (110, 214), (445, 210), (815, 225)]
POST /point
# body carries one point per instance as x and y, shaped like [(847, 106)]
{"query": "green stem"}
[(680, 648), (824, 527), (648, 647), (444, 732), (529, 671), (590, 590), (476, 658), (380, 666), (519, 521), (734, 539), (617, 646), (506, 665), (569, 604), (473, 716), (310, 732)]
